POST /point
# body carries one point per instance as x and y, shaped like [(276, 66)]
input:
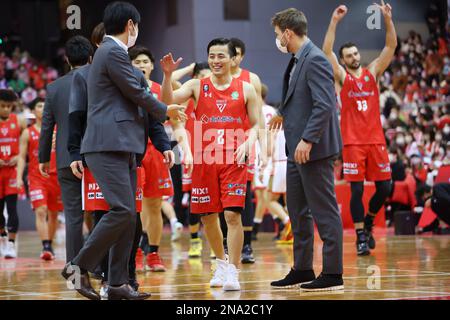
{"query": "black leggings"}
[(13, 218), (383, 189), (249, 211), (104, 265)]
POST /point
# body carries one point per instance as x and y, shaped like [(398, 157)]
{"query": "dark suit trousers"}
[(115, 173), (71, 197), (311, 195)]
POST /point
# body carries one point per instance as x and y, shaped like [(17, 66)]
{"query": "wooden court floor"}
[(401, 267)]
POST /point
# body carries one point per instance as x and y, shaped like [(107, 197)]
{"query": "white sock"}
[(172, 222)]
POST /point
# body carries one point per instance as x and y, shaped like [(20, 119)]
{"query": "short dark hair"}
[(98, 33), (291, 19), (223, 42), (34, 103), (238, 43), (78, 50), (116, 16), (345, 46), (137, 50), (8, 95), (199, 66)]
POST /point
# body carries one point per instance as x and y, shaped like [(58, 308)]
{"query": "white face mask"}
[(132, 39), (279, 46)]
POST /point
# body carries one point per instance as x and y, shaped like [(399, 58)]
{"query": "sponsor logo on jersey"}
[(91, 195), (206, 199), (13, 126), (99, 195), (194, 199), (204, 118), (362, 94), (221, 104), (235, 95), (205, 88), (93, 187), (155, 95), (366, 78), (200, 191)]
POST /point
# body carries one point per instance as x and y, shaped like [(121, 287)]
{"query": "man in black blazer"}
[(115, 134), (56, 113), (313, 140)]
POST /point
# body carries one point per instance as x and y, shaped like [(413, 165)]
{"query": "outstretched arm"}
[(379, 65), (168, 95), (328, 43)]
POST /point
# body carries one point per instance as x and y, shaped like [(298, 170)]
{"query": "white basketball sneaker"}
[(10, 252), (177, 230), (220, 274), (232, 279)]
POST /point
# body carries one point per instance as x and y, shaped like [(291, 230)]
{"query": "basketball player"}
[(249, 212), (157, 182), (365, 154), (45, 193), (197, 71), (222, 103), (11, 127)]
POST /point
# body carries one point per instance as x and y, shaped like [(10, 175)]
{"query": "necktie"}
[(287, 75)]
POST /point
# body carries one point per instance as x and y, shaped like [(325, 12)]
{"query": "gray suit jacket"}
[(56, 112), (78, 116), (309, 106), (116, 103)]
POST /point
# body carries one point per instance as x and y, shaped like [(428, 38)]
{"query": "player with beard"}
[(365, 154)]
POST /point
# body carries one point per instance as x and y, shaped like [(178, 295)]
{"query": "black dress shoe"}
[(133, 284), (324, 283), (294, 278), (84, 286), (125, 292)]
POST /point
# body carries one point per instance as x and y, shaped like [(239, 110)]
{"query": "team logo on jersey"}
[(204, 118), (366, 78), (221, 104), (205, 88), (360, 85), (13, 126), (235, 95), (4, 131)]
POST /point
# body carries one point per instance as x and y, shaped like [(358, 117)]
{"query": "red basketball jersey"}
[(190, 112), (221, 114), (9, 137), (360, 115), (33, 151)]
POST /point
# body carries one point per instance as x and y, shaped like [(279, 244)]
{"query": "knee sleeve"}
[(356, 204), (13, 218)]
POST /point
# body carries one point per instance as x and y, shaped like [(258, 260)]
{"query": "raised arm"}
[(328, 43), (380, 64), (168, 95), (121, 73)]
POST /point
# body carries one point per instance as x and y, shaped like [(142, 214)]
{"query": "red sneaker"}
[(154, 263), (47, 255)]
